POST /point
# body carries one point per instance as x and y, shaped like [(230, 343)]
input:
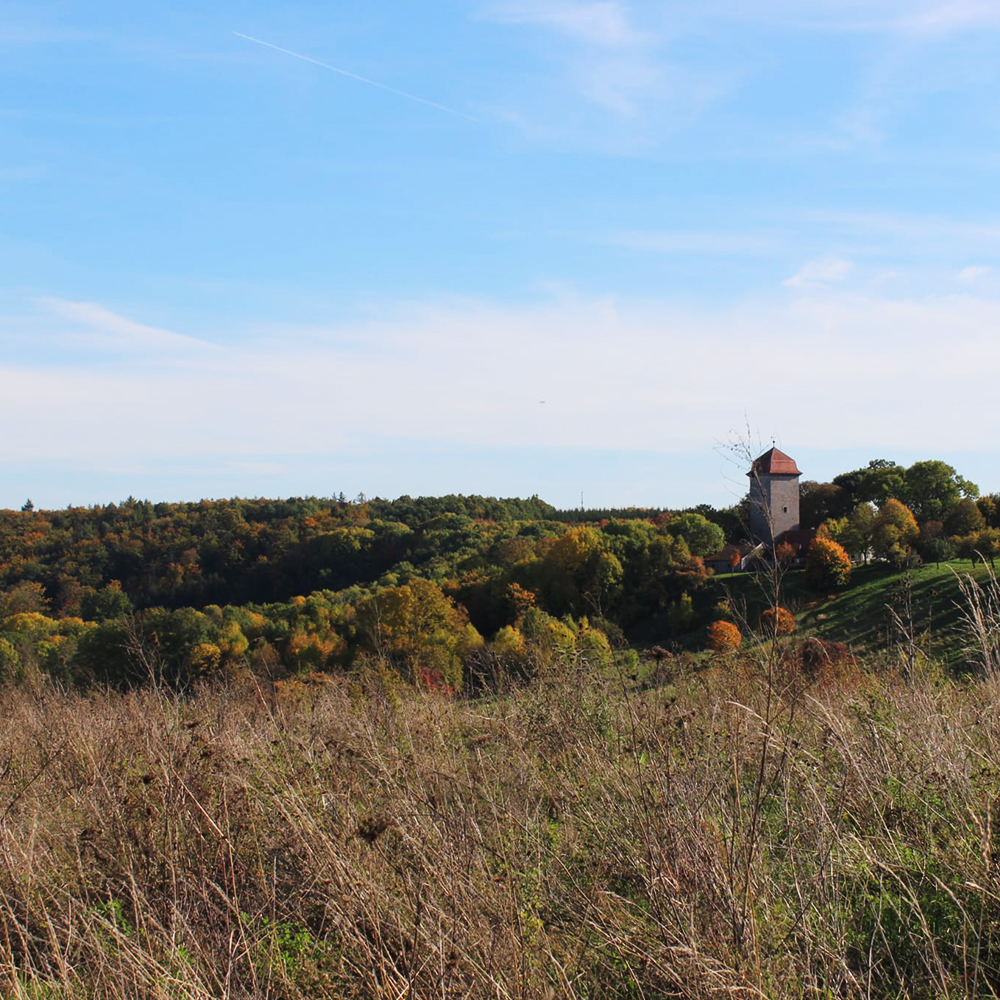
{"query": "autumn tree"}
[(580, 574), (420, 630), (827, 564), (984, 545), (776, 621), (989, 507), (24, 597), (724, 637), (784, 553), (894, 533)]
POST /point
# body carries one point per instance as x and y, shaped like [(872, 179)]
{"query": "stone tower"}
[(774, 496)]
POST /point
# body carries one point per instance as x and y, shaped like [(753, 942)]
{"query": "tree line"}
[(438, 587), (924, 513), (443, 590)]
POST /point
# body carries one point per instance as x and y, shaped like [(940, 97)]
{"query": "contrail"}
[(354, 76)]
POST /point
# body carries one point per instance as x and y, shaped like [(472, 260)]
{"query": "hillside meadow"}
[(923, 609), (781, 822)]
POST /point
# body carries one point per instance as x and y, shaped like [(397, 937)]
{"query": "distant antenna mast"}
[(581, 499)]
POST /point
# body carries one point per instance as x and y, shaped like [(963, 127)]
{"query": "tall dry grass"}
[(785, 828)]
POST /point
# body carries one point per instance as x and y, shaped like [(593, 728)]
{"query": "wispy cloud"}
[(432, 397), (605, 23), (861, 16), (908, 233), (119, 333), (969, 275), (953, 15), (817, 273), (612, 63)]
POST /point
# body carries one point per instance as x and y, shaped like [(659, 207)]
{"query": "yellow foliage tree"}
[(416, 626), (894, 533)]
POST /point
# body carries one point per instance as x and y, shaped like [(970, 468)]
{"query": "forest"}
[(445, 591)]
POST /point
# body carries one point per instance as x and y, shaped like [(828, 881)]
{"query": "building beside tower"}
[(774, 498), (774, 517)]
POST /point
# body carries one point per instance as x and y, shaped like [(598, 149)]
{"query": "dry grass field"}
[(774, 825)]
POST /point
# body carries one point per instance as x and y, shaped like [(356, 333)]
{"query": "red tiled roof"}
[(774, 463)]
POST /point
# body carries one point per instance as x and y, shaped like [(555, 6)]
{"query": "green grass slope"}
[(880, 610)]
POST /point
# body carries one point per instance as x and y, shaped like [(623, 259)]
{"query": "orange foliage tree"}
[(724, 637), (776, 621), (784, 553), (827, 564)]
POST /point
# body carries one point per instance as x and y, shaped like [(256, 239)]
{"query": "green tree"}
[(936, 549), (108, 602), (702, 536), (931, 489), (876, 483), (854, 532), (894, 533), (680, 616), (965, 518), (819, 502)]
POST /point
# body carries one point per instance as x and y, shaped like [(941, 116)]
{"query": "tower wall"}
[(774, 505)]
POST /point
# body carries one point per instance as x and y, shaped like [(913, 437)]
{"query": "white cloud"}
[(816, 273), (604, 23), (875, 16), (115, 332), (968, 275), (953, 15), (605, 59), (469, 375), (904, 235)]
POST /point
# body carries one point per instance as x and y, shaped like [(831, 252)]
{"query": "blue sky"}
[(619, 235)]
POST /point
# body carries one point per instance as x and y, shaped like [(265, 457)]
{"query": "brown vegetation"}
[(798, 828)]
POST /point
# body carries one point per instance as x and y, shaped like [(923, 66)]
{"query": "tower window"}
[(784, 510)]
